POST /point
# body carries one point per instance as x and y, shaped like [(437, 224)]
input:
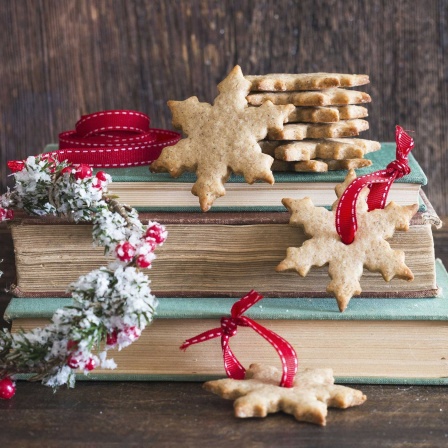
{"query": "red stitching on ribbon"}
[(229, 326), (379, 183)]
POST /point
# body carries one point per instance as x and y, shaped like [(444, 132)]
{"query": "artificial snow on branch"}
[(111, 305)]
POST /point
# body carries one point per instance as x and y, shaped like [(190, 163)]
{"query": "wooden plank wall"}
[(63, 58)]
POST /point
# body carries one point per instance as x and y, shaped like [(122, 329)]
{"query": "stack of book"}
[(396, 332)]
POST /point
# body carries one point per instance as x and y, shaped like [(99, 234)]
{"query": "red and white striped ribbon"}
[(228, 328), (110, 139), (114, 138), (379, 183)]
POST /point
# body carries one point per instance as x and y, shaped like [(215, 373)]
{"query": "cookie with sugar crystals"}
[(308, 400), (329, 97), (304, 81), (301, 131)]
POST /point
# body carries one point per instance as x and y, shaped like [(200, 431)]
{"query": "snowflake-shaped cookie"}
[(345, 262), (259, 394), (222, 138)]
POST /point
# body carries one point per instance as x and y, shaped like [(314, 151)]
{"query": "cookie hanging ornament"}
[(353, 234), (262, 390), (312, 392)]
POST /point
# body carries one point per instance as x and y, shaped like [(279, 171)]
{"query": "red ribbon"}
[(228, 328), (379, 183), (114, 138), (111, 139)]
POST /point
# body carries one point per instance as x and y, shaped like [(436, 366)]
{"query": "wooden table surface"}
[(182, 414)]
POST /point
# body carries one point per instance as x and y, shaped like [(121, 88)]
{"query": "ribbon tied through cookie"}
[(379, 183), (111, 139), (229, 327)]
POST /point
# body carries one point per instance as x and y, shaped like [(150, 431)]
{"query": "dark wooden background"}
[(63, 58)]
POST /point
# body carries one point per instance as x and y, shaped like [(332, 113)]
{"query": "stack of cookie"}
[(326, 114)]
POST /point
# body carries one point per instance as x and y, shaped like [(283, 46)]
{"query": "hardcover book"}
[(376, 340), (210, 254), (140, 188)]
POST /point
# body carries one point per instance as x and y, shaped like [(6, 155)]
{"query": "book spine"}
[(410, 294), (212, 218)]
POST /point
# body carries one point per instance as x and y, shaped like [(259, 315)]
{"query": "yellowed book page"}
[(400, 349), (210, 260)]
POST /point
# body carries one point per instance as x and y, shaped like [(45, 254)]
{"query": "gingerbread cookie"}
[(329, 114), (319, 165), (346, 164), (300, 131), (222, 138), (330, 97), (336, 149), (346, 262), (304, 81), (259, 394)]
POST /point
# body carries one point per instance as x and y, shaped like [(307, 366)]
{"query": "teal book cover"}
[(278, 308), (181, 201), (408, 335), (375, 341), (380, 159)]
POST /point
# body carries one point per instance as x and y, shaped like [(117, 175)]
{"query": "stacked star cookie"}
[(318, 130)]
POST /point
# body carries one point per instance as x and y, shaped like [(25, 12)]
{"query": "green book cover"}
[(142, 175), (278, 308), (379, 158), (433, 311)]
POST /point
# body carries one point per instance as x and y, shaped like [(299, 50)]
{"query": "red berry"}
[(133, 333), (157, 232), (125, 251), (7, 388), (151, 242), (143, 261), (73, 362), (112, 338), (72, 345), (97, 184), (83, 172), (102, 176), (16, 165), (90, 364), (6, 214), (67, 169)]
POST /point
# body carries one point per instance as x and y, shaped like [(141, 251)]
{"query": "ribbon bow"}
[(229, 327), (379, 183)]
